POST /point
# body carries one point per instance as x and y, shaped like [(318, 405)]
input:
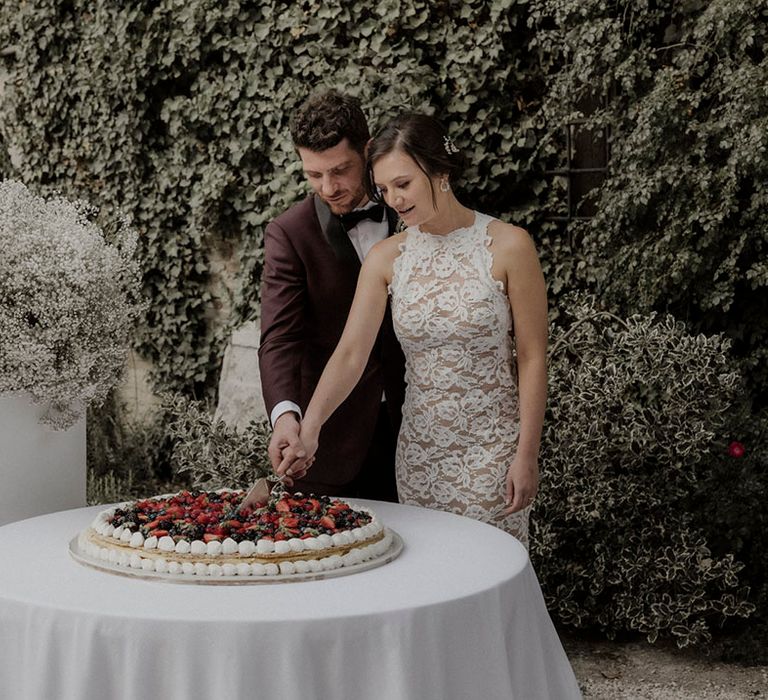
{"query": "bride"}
[(469, 308)]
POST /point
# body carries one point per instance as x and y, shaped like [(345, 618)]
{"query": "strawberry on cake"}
[(207, 534)]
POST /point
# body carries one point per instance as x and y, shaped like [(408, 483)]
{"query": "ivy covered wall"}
[(681, 221), (177, 112)]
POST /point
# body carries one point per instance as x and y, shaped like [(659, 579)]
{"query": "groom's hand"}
[(295, 466), (285, 446)]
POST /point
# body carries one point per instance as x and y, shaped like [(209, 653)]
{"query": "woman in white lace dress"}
[(469, 308)]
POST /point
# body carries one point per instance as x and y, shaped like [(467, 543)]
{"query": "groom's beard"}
[(345, 202)]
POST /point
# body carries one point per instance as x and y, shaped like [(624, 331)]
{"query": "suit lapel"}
[(335, 234), (337, 237)]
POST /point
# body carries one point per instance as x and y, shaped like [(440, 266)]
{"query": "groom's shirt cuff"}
[(283, 407)]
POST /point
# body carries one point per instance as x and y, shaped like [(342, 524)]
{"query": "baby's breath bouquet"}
[(69, 300)]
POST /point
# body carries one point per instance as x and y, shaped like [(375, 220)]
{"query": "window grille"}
[(586, 164)]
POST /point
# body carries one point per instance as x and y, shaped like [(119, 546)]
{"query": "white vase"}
[(42, 470)]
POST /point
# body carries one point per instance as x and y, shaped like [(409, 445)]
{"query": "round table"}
[(458, 615)]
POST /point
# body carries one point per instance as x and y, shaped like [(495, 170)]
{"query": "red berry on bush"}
[(736, 449)]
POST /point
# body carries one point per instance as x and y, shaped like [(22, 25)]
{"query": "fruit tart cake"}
[(205, 534)]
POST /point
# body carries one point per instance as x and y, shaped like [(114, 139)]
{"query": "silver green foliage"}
[(209, 453), (638, 409)]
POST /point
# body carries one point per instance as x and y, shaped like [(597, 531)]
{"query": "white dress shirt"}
[(364, 236)]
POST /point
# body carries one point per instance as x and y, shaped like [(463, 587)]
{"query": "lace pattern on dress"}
[(460, 417)]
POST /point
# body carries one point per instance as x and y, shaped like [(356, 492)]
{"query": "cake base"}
[(81, 557)]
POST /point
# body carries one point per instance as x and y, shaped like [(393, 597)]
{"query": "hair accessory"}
[(450, 146)]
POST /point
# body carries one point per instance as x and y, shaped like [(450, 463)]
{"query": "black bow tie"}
[(353, 218)]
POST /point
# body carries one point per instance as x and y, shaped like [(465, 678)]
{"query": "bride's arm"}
[(346, 365), (527, 295)]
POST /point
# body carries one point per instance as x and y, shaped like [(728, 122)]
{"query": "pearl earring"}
[(444, 186)]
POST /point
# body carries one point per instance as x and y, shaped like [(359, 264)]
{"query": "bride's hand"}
[(296, 468), (522, 483)]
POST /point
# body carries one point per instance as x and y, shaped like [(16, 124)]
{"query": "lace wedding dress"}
[(460, 417)]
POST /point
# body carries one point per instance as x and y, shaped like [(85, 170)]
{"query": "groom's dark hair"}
[(328, 117)]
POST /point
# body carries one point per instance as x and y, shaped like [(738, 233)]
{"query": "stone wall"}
[(240, 399), (7, 55)]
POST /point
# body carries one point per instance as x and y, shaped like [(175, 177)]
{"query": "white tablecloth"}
[(459, 615)]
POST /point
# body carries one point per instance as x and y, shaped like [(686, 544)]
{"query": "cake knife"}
[(260, 492)]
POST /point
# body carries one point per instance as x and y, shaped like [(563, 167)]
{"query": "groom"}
[(312, 257)]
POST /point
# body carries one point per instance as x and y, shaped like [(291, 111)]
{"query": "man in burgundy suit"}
[(313, 253)]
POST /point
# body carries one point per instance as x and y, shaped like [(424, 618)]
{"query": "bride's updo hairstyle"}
[(424, 139)]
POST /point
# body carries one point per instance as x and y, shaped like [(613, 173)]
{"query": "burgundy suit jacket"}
[(308, 283)]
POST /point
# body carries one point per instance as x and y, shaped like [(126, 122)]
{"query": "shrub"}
[(109, 488), (731, 500), (179, 445), (636, 409), (212, 454), (128, 446)]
